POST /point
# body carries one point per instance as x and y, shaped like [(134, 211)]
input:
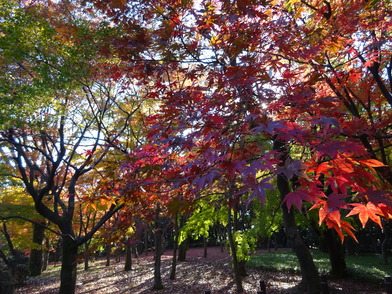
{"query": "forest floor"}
[(196, 275)]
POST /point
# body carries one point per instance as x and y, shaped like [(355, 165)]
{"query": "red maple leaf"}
[(296, 198)]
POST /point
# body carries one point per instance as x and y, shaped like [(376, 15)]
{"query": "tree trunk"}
[(157, 259), (35, 261), (45, 260), (336, 253), (310, 278), (117, 253), (205, 247), (182, 248), (128, 257), (108, 250), (233, 247), (384, 243), (7, 284), (242, 268), (175, 248), (222, 237), (146, 242), (68, 266), (86, 256)]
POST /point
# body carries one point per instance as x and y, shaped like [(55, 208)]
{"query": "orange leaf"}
[(94, 206), (335, 217), (322, 215), (343, 164), (334, 225), (365, 212), (323, 168), (372, 163), (348, 229), (86, 208), (343, 225), (386, 210)]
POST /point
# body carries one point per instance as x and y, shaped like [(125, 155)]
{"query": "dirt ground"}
[(196, 275)]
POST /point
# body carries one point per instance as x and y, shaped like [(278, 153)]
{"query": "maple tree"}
[(15, 237), (69, 125), (246, 95), (303, 73), (150, 193)]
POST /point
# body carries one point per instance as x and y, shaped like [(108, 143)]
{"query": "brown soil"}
[(196, 275)]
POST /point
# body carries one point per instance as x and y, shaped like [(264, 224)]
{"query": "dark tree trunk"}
[(182, 248), (7, 284), (68, 266), (269, 244), (310, 278), (384, 243), (175, 248), (45, 259), (145, 242), (222, 237), (128, 257), (35, 261), (86, 256), (157, 259), (233, 247), (242, 268), (336, 253), (57, 251), (239, 225), (117, 253), (108, 250), (8, 273), (174, 262)]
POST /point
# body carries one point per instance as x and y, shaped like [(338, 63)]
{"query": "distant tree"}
[(68, 126)]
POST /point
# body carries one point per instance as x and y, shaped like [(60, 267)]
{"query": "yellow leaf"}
[(215, 40)]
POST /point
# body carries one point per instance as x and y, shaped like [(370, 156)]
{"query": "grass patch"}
[(368, 267), (52, 270), (362, 267)]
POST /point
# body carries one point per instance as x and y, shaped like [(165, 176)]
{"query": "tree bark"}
[(182, 249), (175, 248), (86, 256), (7, 276), (336, 253), (128, 256), (222, 237), (45, 259), (157, 259), (233, 247), (205, 246), (108, 250), (310, 278), (68, 266), (36, 255), (384, 243)]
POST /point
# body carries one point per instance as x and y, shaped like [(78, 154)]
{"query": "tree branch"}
[(30, 221)]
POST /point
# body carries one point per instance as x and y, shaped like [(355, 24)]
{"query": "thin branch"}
[(31, 221), (113, 209)]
